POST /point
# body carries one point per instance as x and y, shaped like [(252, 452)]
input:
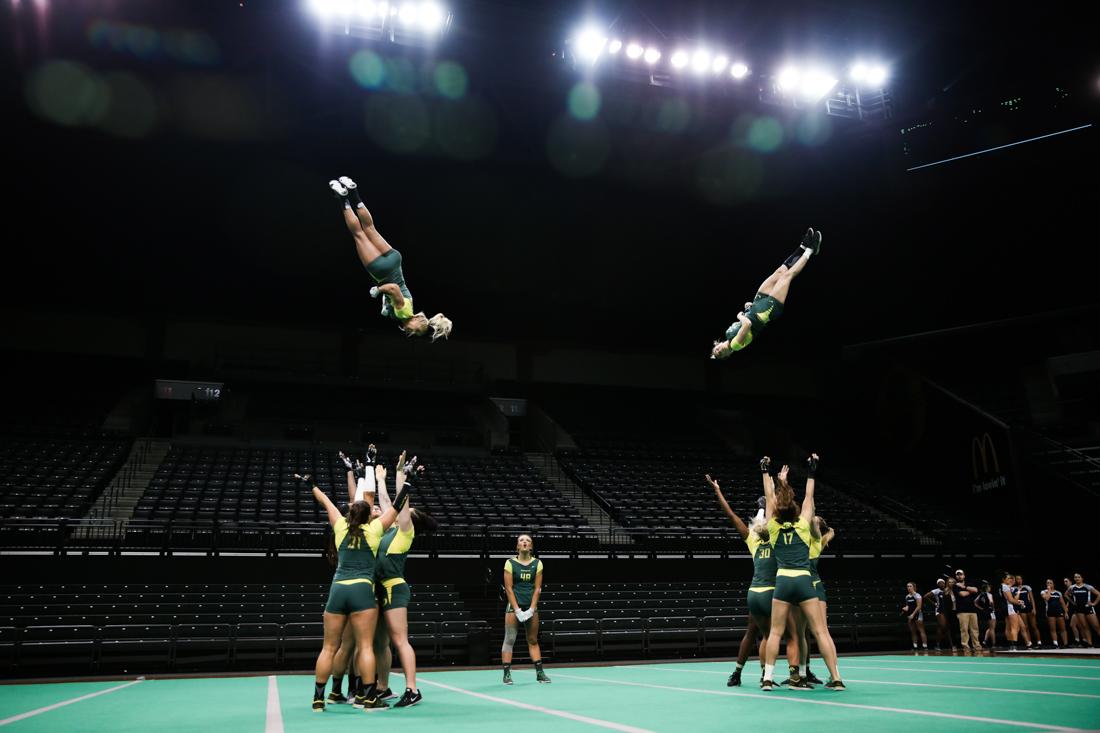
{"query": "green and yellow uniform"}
[(523, 580), (815, 553), (764, 310), (393, 591), (791, 546), (353, 583), (764, 567), (387, 269)]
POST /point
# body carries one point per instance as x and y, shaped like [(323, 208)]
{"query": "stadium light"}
[(431, 17), (590, 43), (679, 59), (700, 61), (720, 62), (739, 70), (652, 56), (634, 50), (815, 84), (859, 71), (876, 76), (614, 46), (788, 78)]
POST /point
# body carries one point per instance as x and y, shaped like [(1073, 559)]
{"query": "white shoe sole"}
[(348, 183)]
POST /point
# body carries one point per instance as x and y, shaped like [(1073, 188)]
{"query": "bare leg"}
[(368, 252), (397, 621), (767, 285), (782, 284), (366, 221), (1033, 623), (747, 642), (334, 629), (343, 654), (811, 609), (383, 658), (533, 639), (1062, 631), (1092, 625), (364, 622), (923, 634), (780, 611)]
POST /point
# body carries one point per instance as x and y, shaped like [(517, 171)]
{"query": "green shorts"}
[(794, 588), (763, 311), (760, 602), (346, 599), (397, 595), (383, 268), (820, 588)]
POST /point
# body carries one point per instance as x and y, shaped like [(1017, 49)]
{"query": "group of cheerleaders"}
[(786, 596), (370, 544), (384, 264), (1016, 600)]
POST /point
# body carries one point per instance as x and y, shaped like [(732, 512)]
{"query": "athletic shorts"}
[(794, 588), (508, 609), (920, 616), (819, 587), (351, 598), (382, 268), (760, 602), (764, 310), (1088, 611), (396, 596)]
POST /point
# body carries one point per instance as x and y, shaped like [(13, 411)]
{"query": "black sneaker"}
[(318, 705), (835, 685), (541, 677), (337, 698), (815, 243), (409, 699), (798, 683), (386, 694), (811, 677), (734, 679), (359, 701), (507, 677), (767, 685), (371, 704)]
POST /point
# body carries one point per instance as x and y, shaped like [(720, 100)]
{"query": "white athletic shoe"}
[(337, 189), (348, 183)]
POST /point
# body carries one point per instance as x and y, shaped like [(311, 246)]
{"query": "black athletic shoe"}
[(734, 679), (371, 704), (507, 677), (835, 685), (541, 677), (798, 683), (807, 239), (767, 685), (387, 694), (815, 243), (337, 698), (318, 705), (359, 701), (811, 678), (409, 699)]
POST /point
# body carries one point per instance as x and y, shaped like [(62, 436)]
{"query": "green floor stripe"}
[(700, 703)]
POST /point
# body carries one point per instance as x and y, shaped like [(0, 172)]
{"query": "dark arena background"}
[(591, 192)]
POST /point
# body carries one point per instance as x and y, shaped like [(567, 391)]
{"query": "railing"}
[(122, 481)]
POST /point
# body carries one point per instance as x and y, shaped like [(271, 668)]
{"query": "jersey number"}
[(787, 537), (766, 552), (525, 577)]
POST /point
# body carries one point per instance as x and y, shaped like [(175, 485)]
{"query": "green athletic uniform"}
[(791, 547), (815, 553), (387, 269), (393, 591), (523, 581), (764, 567), (764, 310), (353, 583)]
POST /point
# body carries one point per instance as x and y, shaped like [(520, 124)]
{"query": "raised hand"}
[(811, 465), (765, 465), (783, 473), (713, 484), (306, 480), (379, 472)]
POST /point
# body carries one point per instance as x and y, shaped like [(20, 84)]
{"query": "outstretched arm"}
[(321, 498), (808, 509), (828, 537), (404, 514), (769, 487), (740, 525), (380, 481)]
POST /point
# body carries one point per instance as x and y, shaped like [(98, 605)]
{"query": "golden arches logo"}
[(982, 447)]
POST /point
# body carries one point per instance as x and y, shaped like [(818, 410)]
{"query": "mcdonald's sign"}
[(983, 453)]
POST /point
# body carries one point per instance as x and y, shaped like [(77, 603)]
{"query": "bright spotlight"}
[(816, 83), (409, 13), (680, 59), (720, 63), (614, 46), (788, 78), (365, 9), (431, 17), (739, 70), (590, 44), (876, 76), (700, 61), (634, 50), (652, 55), (859, 72)]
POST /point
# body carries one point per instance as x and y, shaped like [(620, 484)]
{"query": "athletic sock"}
[(739, 666), (353, 197), (538, 664), (790, 261), (319, 690), (338, 685), (769, 671), (508, 667), (353, 685), (802, 669)]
